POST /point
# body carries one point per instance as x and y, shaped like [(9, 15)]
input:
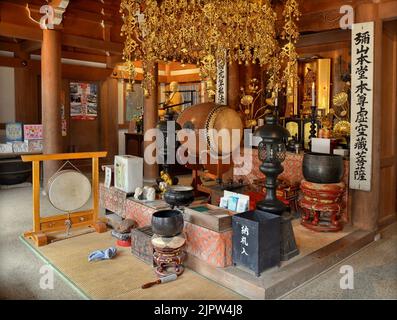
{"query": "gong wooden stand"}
[(88, 218)]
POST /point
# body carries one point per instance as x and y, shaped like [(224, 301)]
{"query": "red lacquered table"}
[(321, 206)]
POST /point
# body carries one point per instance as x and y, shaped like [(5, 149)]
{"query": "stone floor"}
[(375, 267)]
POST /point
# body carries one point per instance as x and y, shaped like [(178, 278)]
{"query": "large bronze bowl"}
[(167, 223), (322, 168)]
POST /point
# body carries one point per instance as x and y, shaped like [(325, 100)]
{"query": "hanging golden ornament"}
[(244, 29), (290, 33)]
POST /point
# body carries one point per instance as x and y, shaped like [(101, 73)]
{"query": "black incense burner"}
[(179, 196)]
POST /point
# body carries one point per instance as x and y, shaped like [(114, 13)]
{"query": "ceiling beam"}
[(112, 61), (90, 43), (9, 46), (83, 56), (30, 46), (12, 30), (35, 34), (325, 37)]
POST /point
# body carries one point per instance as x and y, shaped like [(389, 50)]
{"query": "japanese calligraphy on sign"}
[(244, 244), (361, 106), (221, 83)]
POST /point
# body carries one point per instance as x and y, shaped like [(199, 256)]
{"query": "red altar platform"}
[(214, 248)]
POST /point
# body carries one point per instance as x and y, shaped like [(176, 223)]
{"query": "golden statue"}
[(174, 98), (309, 79), (164, 181)]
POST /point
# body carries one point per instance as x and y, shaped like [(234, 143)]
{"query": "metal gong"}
[(69, 190)]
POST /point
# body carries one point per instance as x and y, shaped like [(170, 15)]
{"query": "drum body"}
[(69, 190), (219, 128)]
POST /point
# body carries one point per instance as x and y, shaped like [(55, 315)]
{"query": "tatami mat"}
[(123, 276)]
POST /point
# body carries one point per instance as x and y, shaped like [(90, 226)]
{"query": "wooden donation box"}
[(256, 240)]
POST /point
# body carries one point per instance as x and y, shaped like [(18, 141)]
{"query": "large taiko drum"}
[(69, 190), (203, 118)]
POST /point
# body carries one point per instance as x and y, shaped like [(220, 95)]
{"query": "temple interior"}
[(153, 148)]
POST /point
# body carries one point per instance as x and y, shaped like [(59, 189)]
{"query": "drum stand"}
[(89, 218)]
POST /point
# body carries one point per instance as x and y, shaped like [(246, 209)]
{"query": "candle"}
[(313, 94)]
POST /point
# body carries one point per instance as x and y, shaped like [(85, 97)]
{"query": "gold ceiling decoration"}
[(201, 31), (208, 72), (131, 45), (290, 33)]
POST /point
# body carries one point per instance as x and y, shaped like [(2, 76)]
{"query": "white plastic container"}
[(128, 173)]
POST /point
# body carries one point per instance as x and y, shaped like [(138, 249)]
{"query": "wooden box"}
[(209, 216), (141, 244), (256, 240)]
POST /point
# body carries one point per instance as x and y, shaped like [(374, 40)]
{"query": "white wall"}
[(7, 95)]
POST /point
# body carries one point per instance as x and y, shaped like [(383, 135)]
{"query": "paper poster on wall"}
[(83, 101), (362, 105)]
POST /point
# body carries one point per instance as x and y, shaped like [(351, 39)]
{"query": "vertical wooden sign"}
[(362, 106), (221, 83)]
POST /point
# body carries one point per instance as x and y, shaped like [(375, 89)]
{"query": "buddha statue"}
[(174, 98)]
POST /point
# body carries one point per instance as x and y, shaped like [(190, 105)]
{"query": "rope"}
[(71, 164)]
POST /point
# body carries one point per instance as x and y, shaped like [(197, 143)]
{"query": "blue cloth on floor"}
[(106, 254)]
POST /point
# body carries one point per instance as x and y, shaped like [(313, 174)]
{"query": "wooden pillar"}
[(51, 84), (365, 205), (233, 78), (109, 117), (150, 120)]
